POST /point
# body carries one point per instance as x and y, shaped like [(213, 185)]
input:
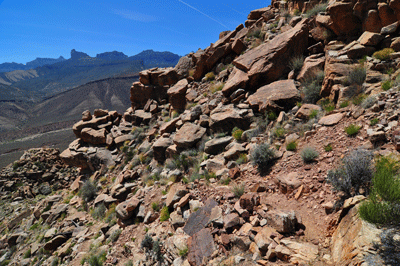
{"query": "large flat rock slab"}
[(331, 120)]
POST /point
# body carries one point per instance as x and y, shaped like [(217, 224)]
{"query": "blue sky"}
[(50, 28)]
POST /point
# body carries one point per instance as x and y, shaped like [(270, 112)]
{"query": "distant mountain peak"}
[(114, 55), (75, 55)]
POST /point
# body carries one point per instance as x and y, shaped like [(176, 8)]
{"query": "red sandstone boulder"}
[(177, 94)]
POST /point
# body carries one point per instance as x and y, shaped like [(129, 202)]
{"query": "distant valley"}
[(52, 96)]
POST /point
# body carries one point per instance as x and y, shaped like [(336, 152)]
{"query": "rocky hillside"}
[(265, 148)]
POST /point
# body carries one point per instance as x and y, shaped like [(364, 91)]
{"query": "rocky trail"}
[(227, 158)]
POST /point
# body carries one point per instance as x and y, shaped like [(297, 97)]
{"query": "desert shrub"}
[(96, 259), (291, 146), (296, 12), (271, 116), (210, 76), (242, 159), (278, 132), (354, 173), (328, 148), (155, 206), (216, 87), (88, 190), (55, 261), (238, 190), (311, 92), (237, 133), (99, 212), (309, 154), (183, 252), (254, 32), (358, 99), (262, 156), (316, 10), (129, 263), (313, 114), (389, 247), (27, 254), (296, 63), (115, 235), (344, 104), (386, 85), (368, 102), (357, 75), (164, 214), (374, 121), (383, 54), (157, 251), (352, 130), (138, 134), (147, 242)]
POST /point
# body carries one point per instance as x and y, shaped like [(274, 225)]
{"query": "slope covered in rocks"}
[(258, 150)]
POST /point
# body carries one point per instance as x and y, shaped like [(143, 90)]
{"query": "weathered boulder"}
[(370, 38), (175, 193), (183, 66), (92, 136), (279, 95), (372, 22), (268, 62), (301, 252), (344, 22), (217, 145), (54, 243), (159, 148), (306, 110), (226, 117), (249, 201), (125, 209), (177, 94), (188, 135), (265, 237), (355, 235), (333, 70), (288, 182), (237, 79), (386, 14), (282, 221), (331, 120), (199, 219), (312, 64), (169, 126), (201, 246), (141, 93), (231, 220)]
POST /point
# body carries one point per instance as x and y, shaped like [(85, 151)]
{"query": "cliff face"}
[(227, 157)]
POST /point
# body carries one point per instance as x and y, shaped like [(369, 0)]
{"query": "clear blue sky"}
[(50, 28)]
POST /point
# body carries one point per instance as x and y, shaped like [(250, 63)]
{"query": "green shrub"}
[(309, 154), (368, 102), (296, 63), (262, 156), (272, 116), (359, 99), (352, 130), (354, 173), (313, 114), (99, 212), (374, 121), (27, 254), (183, 252), (129, 263), (386, 85), (357, 75), (210, 76), (147, 242), (389, 247), (278, 132), (238, 190), (344, 104), (383, 54), (316, 10), (311, 92), (237, 133), (164, 214), (242, 159), (115, 235), (88, 190), (383, 204), (328, 148), (157, 251), (217, 87), (329, 107), (296, 12), (291, 146), (155, 206)]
